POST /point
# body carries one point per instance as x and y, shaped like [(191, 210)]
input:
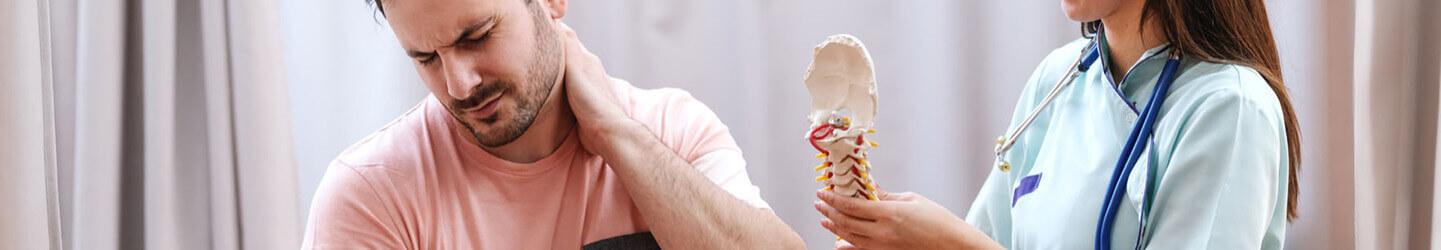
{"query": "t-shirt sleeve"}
[(698, 135), (348, 212), (727, 169)]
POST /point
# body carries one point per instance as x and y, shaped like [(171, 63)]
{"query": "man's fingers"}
[(573, 49), (573, 42), (566, 28), (578, 60), (859, 208), (577, 56), (567, 31)]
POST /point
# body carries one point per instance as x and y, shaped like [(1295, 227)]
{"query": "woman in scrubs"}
[(1217, 173)]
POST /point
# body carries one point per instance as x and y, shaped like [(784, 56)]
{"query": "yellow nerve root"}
[(823, 166), (820, 155), (822, 178)]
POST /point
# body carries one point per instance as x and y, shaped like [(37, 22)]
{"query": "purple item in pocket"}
[(1028, 185)]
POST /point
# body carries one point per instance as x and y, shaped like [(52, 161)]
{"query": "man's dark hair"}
[(380, 8)]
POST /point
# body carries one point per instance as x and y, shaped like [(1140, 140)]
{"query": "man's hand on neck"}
[(685, 209)]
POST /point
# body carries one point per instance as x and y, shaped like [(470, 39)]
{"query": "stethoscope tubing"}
[(1131, 153), (1081, 65)]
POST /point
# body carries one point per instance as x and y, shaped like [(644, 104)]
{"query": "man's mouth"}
[(485, 112)]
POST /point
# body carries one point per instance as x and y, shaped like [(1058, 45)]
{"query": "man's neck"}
[(1125, 40), (552, 124)]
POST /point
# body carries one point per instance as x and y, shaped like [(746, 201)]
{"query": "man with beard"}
[(526, 143)]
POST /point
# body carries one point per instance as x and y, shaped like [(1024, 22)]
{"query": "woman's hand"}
[(897, 221)]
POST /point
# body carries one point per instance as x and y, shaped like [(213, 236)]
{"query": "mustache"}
[(477, 96)]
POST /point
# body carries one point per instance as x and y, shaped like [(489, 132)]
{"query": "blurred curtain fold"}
[(27, 161), (169, 122), (1396, 73)]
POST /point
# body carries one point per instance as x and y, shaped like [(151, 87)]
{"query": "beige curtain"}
[(145, 124), (1396, 67), (28, 216)]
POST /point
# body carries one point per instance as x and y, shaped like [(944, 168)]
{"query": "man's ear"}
[(557, 8)]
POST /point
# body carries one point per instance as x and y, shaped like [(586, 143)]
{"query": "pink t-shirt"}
[(416, 184)]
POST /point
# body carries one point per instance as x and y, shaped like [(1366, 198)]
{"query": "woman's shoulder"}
[(1226, 82)]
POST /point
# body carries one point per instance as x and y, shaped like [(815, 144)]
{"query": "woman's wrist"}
[(971, 238)]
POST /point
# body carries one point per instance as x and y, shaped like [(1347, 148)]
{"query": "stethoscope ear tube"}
[(1131, 153)]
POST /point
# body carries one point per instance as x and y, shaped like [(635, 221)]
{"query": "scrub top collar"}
[(1133, 92), (1147, 56)]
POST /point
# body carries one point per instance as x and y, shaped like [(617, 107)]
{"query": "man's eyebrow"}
[(482, 26), (419, 54), (479, 26)]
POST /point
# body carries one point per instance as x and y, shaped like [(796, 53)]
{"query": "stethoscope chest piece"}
[(1002, 164)]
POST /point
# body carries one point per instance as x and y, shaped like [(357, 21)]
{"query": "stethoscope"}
[(1130, 153)]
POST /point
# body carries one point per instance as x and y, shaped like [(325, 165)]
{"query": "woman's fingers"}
[(845, 245), (864, 209), (849, 237), (902, 196), (843, 222)]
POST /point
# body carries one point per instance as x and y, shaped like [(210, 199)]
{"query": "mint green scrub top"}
[(1217, 162)]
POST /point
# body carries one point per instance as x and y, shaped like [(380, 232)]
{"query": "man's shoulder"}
[(665, 104), (394, 145), (681, 121)]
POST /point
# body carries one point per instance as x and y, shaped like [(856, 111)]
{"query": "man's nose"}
[(461, 74)]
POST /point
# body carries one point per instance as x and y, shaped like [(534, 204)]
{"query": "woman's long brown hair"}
[(1233, 32)]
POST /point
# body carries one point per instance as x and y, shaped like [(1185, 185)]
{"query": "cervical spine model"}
[(842, 86)]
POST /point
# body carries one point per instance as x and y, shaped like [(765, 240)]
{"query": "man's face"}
[(492, 63)]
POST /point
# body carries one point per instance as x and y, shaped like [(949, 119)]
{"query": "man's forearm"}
[(686, 210)]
